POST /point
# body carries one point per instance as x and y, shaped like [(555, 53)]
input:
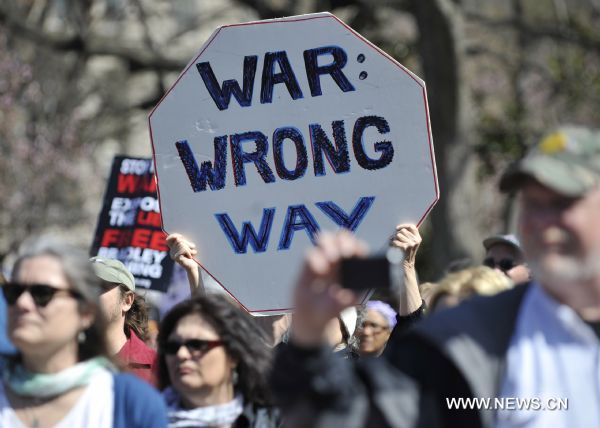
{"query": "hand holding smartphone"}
[(379, 272)]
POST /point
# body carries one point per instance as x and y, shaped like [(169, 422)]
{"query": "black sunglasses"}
[(504, 265), (41, 294), (196, 346)]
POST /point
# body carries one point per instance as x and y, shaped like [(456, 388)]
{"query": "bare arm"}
[(408, 239), (183, 251)]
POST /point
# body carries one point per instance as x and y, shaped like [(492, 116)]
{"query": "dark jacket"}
[(456, 353)]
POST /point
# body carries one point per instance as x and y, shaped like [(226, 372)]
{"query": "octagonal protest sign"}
[(279, 129)]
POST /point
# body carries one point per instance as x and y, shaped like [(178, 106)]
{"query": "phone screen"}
[(364, 273)]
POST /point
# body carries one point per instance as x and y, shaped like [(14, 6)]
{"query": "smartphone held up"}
[(383, 271)]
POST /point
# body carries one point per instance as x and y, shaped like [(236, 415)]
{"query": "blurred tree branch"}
[(557, 33), (89, 44)]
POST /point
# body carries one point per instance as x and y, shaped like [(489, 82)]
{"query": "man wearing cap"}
[(127, 319), (531, 352), (504, 254)]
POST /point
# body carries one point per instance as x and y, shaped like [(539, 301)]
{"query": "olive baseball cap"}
[(111, 270), (566, 161)]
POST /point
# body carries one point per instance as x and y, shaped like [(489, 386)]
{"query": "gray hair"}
[(81, 278)]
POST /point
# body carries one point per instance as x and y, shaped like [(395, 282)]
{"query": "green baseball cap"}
[(566, 161), (111, 270)]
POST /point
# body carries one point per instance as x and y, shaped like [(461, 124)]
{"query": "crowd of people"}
[(523, 323)]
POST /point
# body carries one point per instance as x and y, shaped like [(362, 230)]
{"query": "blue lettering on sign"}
[(240, 157), (334, 69), (239, 241), (222, 95), (279, 136), (297, 218), (385, 147), (337, 156), (336, 153), (341, 218), (270, 78), (206, 174)]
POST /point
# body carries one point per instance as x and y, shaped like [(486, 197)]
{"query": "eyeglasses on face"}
[(194, 346), (375, 328), (41, 294), (504, 264)]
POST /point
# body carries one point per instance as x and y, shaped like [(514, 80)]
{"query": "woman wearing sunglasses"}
[(60, 376), (213, 366)]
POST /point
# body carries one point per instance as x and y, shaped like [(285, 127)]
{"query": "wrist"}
[(409, 263)]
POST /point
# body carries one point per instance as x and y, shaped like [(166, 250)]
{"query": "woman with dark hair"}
[(213, 366), (61, 376)]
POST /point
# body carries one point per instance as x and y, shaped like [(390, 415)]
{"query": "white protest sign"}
[(278, 129)]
